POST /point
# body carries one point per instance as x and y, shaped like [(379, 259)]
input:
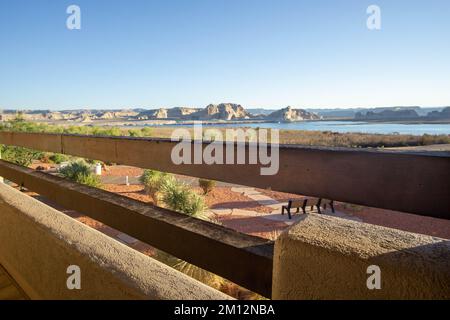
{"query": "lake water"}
[(353, 126)]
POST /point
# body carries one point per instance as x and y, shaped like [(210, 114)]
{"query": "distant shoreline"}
[(169, 122), (395, 121)]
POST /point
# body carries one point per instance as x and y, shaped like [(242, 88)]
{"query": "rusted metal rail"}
[(417, 183)]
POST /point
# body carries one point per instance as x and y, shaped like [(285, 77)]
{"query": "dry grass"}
[(358, 140), (334, 139), (298, 137)]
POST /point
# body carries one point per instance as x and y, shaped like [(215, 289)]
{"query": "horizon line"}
[(194, 107)]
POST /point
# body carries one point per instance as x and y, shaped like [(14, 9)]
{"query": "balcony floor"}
[(9, 290)]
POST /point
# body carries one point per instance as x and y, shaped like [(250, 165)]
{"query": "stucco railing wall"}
[(39, 243), (325, 257)]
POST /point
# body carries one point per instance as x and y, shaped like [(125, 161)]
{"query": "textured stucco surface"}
[(325, 257), (38, 243)]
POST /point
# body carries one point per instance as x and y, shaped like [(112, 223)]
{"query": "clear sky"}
[(259, 53)]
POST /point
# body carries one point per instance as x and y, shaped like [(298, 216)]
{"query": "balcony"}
[(320, 257)]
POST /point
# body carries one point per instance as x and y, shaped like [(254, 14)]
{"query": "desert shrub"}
[(93, 161), (206, 185), (58, 158), (80, 172), (153, 181), (45, 157), (21, 156), (179, 197), (114, 131)]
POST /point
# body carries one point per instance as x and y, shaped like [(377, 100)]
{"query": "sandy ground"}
[(223, 197), (136, 192), (387, 218), (122, 171)]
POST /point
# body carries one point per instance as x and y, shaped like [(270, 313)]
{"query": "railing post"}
[(324, 257)]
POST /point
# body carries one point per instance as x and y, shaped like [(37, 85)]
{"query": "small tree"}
[(153, 181), (80, 172), (206, 185)]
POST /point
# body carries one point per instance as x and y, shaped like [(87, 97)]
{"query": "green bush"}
[(21, 156), (179, 197), (206, 185), (58, 158), (80, 172), (153, 181), (175, 195)]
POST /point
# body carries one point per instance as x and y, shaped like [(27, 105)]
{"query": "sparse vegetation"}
[(153, 181), (175, 195), (18, 155), (179, 197), (301, 137), (80, 172), (24, 156), (206, 185), (359, 140), (19, 125), (58, 158)]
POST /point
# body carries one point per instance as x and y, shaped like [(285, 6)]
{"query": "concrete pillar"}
[(325, 257)]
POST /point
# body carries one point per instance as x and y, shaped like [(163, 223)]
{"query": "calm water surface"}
[(353, 126)]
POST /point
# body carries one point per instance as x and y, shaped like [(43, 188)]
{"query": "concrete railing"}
[(324, 257), (39, 243)]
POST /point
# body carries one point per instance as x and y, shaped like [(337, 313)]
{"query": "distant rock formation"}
[(350, 113), (212, 112), (437, 115), (290, 115), (160, 114), (55, 116), (164, 113), (109, 115), (230, 112), (401, 114), (181, 112), (223, 111)]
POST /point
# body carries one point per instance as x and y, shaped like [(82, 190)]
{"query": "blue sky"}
[(259, 53)]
